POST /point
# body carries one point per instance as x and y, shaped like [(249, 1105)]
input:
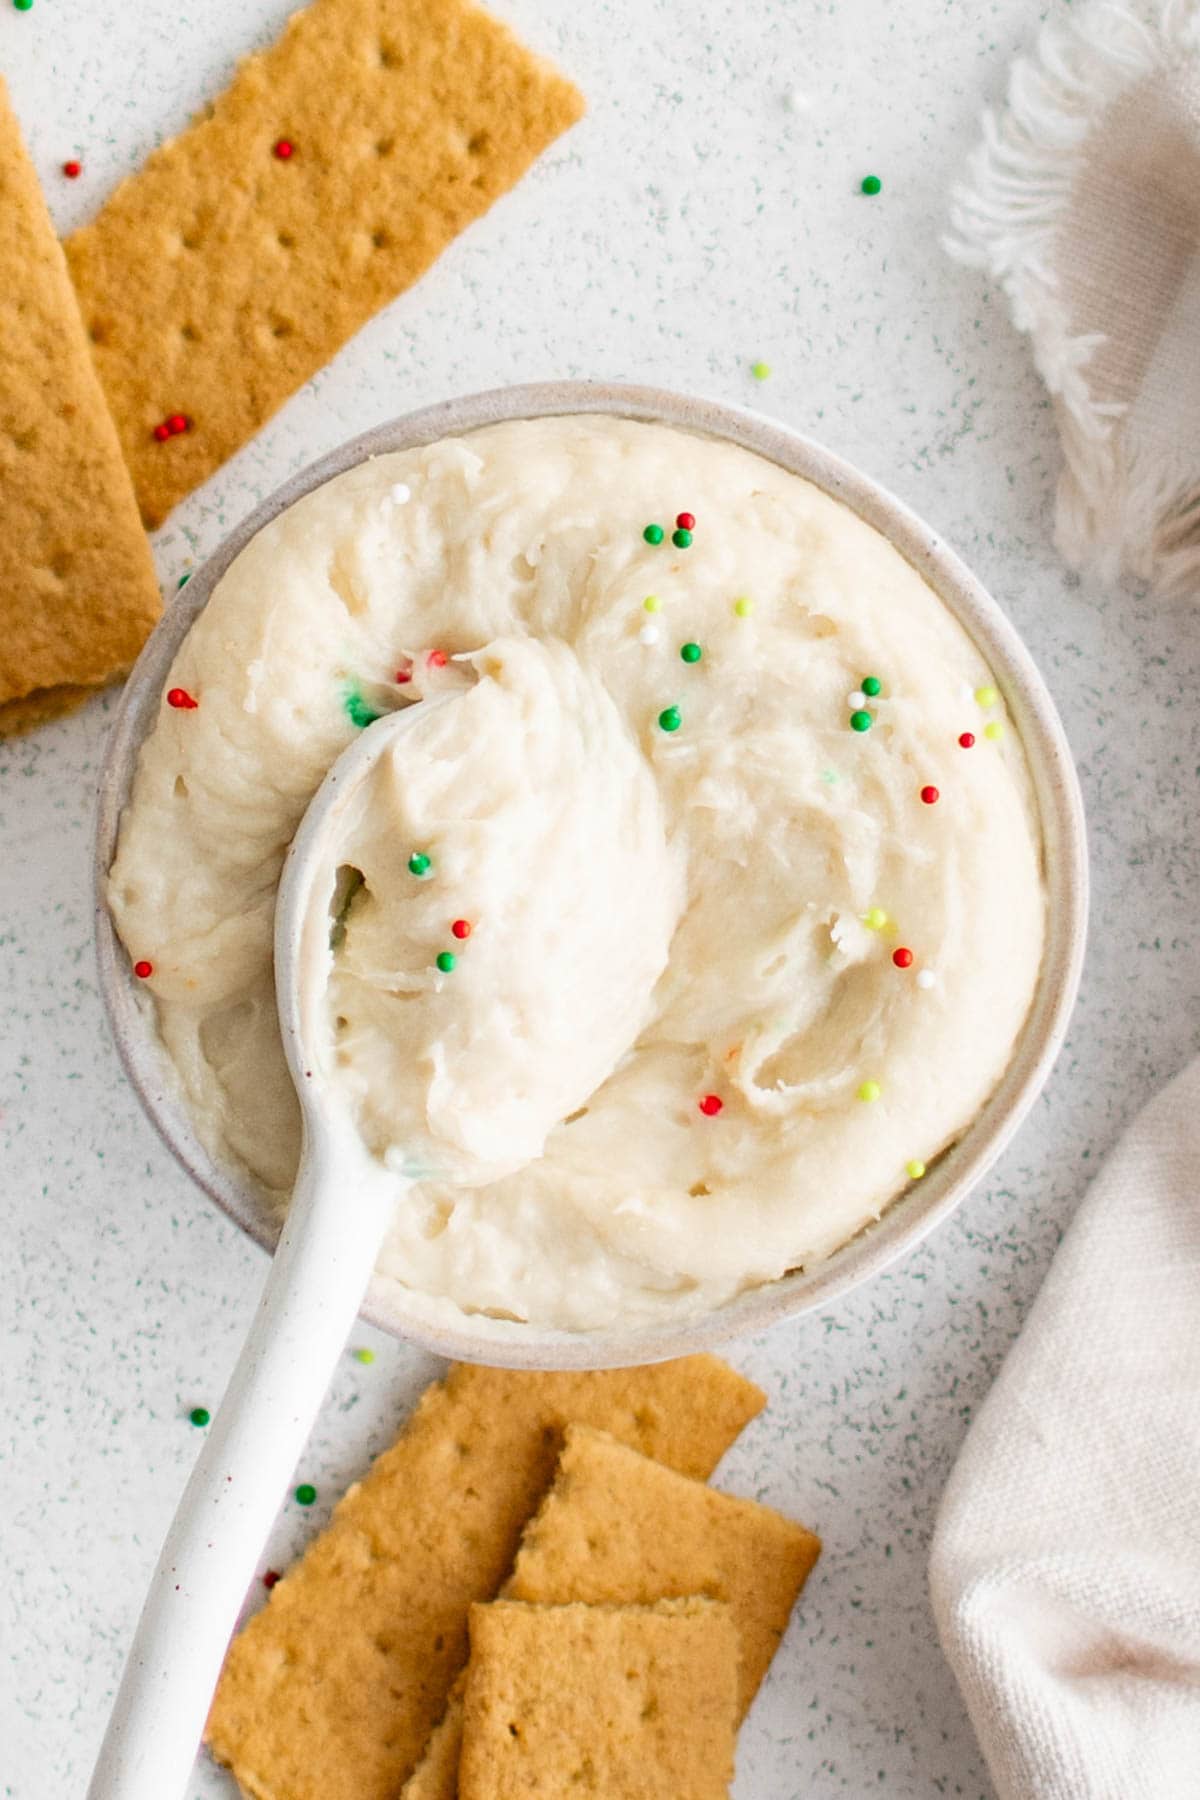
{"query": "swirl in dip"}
[(731, 945)]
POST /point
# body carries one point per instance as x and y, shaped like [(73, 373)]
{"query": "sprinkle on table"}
[(670, 719), (690, 653), (761, 371), (23, 5), (966, 739), (903, 958), (711, 1105), (860, 721), (993, 730), (654, 534), (871, 686), (143, 969), (914, 1169), (306, 1493), (871, 184), (364, 1356), (875, 918), (270, 1577), (199, 1416), (929, 796), (446, 962), (181, 700), (986, 696), (743, 606), (284, 149), (419, 864), (869, 1090), (461, 928), (72, 170)]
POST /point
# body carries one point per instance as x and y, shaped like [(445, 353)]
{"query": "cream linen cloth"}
[(1083, 203), (1066, 1563)]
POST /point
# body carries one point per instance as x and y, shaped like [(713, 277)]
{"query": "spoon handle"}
[(312, 1294)]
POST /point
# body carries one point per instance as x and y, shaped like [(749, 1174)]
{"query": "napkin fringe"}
[(1114, 509)]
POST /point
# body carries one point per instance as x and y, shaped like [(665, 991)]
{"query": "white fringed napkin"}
[(1083, 203)]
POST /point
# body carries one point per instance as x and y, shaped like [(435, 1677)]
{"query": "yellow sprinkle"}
[(986, 696), (875, 919), (652, 603), (870, 1090), (994, 730), (914, 1170), (743, 607)]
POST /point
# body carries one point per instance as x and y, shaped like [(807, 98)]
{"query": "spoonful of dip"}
[(469, 927)]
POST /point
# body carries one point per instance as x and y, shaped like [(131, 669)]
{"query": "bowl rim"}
[(912, 1215)]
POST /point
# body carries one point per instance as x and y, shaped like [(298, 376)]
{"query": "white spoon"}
[(313, 1291)]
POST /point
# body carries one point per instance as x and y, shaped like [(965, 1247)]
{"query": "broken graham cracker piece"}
[(621, 1703), (330, 1692), (336, 167), (78, 593), (618, 1529)]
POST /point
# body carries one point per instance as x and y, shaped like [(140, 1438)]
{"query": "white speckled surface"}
[(691, 225)]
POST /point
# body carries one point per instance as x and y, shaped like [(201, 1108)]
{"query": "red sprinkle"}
[(902, 958), (270, 1578), (711, 1104), (436, 659), (142, 969), (162, 432), (967, 739), (181, 698), (930, 796), (72, 170), (404, 676), (284, 148), (461, 928), (686, 521), (176, 424)]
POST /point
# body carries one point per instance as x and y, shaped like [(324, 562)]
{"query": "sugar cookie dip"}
[(702, 915)]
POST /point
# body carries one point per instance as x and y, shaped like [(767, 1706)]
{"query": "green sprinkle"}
[(985, 697), (875, 918), (681, 538), (359, 712), (860, 721), (743, 607), (670, 719), (915, 1169), (691, 653), (199, 1415), (760, 370), (653, 534), (871, 685), (870, 1090), (306, 1493), (994, 730), (183, 579), (419, 864), (652, 603), (22, 5), (446, 961), (871, 184), (364, 1356)]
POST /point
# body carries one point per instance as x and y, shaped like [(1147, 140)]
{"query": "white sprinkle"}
[(649, 634), (926, 978), (855, 700), (401, 494), (796, 100)]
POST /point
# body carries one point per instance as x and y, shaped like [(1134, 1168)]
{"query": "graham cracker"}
[(331, 1691), (618, 1529), (631, 1703), (221, 276), (78, 593)]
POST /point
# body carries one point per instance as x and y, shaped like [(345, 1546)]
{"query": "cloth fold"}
[(1083, 203), (1065, 1569)]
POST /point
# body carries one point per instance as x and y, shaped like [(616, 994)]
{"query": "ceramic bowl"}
[(915, 1213)]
